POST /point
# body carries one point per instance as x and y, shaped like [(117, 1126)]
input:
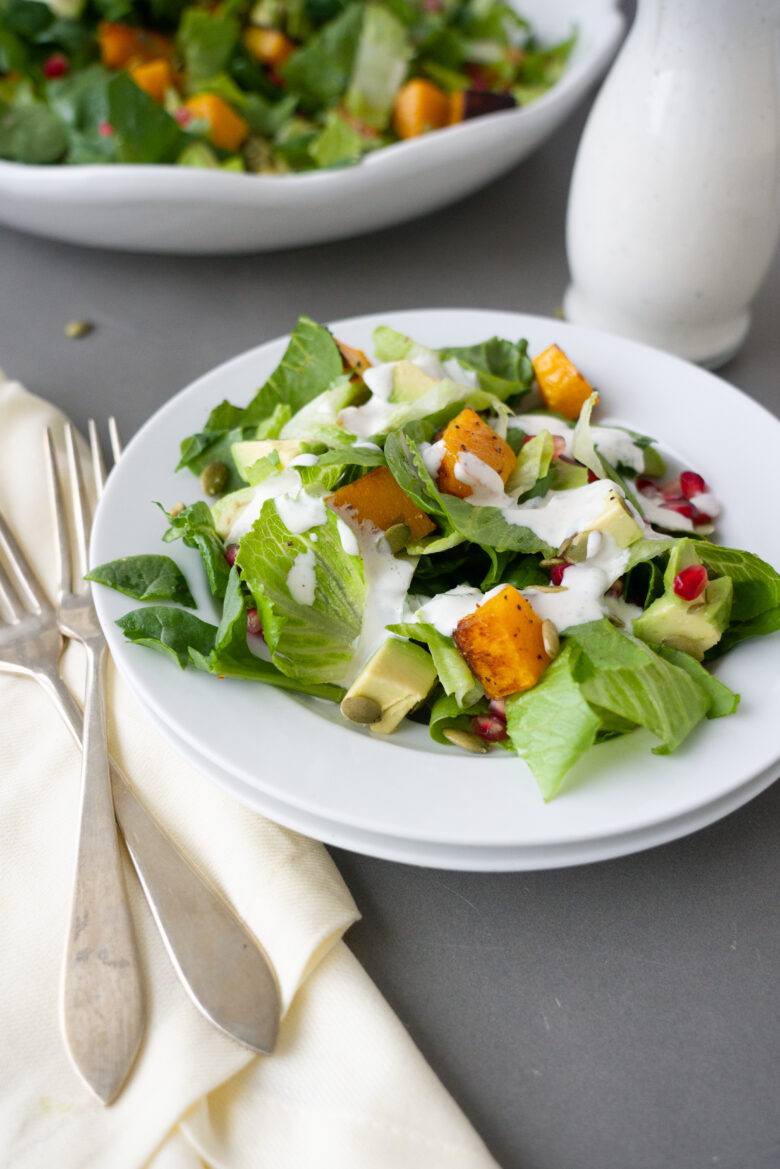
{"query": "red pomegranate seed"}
[(183, 116), (691, 582), (556, 573), (492, 730), (230, 554), (55, 66), (681, 505), (106, 130), (559, 445), (254, 626), (671, 490), (592, 476), (692, 484), (646, 486), (497, 708)]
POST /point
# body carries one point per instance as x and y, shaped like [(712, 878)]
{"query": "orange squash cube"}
[(352, 359), (376, 498), (153, 77), (561, 385), (227, 129), (467, 432), (420, 106), (502, 643), (269, 46), (124, 44)]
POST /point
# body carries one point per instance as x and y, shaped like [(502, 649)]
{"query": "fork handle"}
[(220, 963), (102, 995)]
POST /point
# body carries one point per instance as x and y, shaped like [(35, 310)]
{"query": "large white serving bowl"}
[(299, 752), (181, 209)]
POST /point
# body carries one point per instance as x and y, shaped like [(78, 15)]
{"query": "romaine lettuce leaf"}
[(756, 584), (311, 642), (737, 632), (447, 714), (379, 68), (552, 725), (722, 700), (454, 675)]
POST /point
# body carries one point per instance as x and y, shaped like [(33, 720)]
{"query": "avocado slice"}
[(692, 626), (225, 511), (615, 521), (246, 454), (410, 382), (394, 680)]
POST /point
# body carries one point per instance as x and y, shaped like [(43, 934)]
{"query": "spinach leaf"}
[(206, 42), (144, 131), (195, 526), (173, 632), (320, 71), (503, 368), (31, 133), (146, 578)]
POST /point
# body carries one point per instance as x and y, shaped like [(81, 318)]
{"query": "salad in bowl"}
[(450, 536)]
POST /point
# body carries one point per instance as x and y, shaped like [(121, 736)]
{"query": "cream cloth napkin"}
[(346, 1086)]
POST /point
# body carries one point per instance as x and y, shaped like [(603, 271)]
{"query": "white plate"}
[(298, 751), (181, 209), (466, 857)]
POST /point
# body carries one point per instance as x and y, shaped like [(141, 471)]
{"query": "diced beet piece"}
[(477, 102)]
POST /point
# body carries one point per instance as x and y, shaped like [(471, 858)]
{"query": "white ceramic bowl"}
[(179, 209)]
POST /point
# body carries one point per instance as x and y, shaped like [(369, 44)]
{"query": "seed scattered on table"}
[(76, 329)]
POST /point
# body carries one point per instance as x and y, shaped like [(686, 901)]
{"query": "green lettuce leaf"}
[(144, 131), (145, 578), (765, 623), (319, 72), (379, 68), (206, 41), (503, 368), (447, 714), (339, 143), (552, 725), (756, 583), (173, 632), (454, 675), (195, 526), (722, 700), (311, 642)]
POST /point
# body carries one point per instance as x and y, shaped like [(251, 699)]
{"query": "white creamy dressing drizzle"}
[(374, 415), (303, 461), (301, 579), (706, 502), (553, 517), (613, 444), (664, 516), (347, 536), (298, 510), (432, 455), (584, 585), (446, 610), (387, 580), (623, 610)]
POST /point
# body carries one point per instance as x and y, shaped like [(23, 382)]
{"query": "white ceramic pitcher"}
[(674, 208)]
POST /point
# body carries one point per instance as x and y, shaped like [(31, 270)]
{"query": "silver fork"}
[(102, 993), (220, 963)]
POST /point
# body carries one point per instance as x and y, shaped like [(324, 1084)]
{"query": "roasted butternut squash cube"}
[(227, 129), (503, 644), (153, 77), (420, 106), (269, 45), (352, 359), (124, 44), (467, 432), (561, 385), (376, 498)]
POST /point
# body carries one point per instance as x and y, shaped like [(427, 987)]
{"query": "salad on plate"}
[(269, 87), (449, 536)]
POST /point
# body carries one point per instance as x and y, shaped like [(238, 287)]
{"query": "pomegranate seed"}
[(559, 445), (616, 589), (592, 476), (492, 730), (55, 66), (477, 74), (498, 708), (671, 490), (230, 554), (682, 506), (254, 626), (106, 130), (646, 486), (692, 484), (691, 582), (556, 573), (183, 116)]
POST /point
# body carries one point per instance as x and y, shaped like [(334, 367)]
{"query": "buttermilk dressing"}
[(301, 579)]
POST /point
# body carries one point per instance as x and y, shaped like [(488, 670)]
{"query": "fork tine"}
[(58, 511), (80, 511), (116, 442), (96, 451), (29, 587), (10, 596)]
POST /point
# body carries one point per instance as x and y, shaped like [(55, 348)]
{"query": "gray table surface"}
[(620, 1015)]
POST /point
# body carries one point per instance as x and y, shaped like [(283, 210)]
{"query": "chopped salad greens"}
[(448, 535), (270, 87)]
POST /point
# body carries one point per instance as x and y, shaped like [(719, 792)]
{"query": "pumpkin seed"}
[(76, 329), (550, 638), (360, 709), (214, 477), (398, 537), (466, 740)]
